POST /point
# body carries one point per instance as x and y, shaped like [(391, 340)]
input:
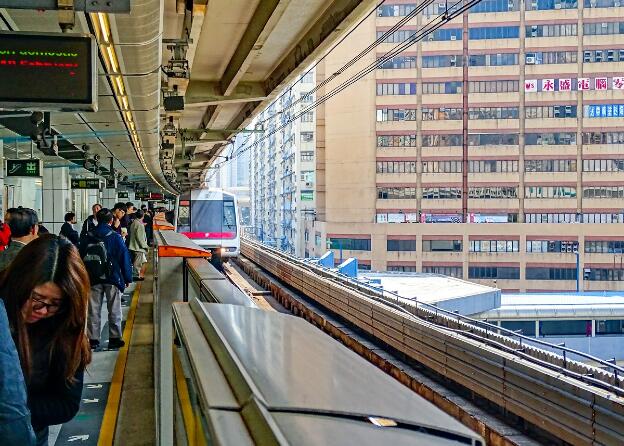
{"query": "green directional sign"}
[(23, 168), (123, 195), (85, 183)]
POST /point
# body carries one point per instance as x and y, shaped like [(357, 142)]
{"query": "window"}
[(605, 246), (493, 113), (551, 57), (494, 272), (602, 165), (402, 268), (307, 117), (438, 140), (526, 328), (307, 156), (396, 166), (390, 89), (603, 192), (441, 166), (395, 10), (606, 274), (543, 246), (396, 140), (557, 30), (442, 245), (442, 114), (603, 137), (601, 218), (451, 87), (306, 98), (307, 136), (493, 139), (502, 86), (451, 271), (397, 62), (540, 5), (612, 55), (443, 61), (492, 166), (549, 192), (486, 60), (308, 78), (550, 165), (550, 111), (565, 328), (401, 245), (441, 193), (396, 193), (351, 244), (396, 114), (444, 35), (307, 176), (495, 6), (542, 273), (609, 327), (563, 138), (493, 192), (395, 37), (494, 32), (599, 29), (494, 246), (550, 218)]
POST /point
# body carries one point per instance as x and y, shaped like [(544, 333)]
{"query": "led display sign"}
[(47, 72), (85, 183), (23, 168)]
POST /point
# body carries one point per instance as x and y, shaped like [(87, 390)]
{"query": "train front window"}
[(213, 216)]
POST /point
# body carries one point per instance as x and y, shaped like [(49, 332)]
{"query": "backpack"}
[(96, 260)]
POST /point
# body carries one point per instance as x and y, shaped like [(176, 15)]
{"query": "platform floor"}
[(134, 375)]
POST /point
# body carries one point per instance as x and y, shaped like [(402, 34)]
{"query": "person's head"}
[(7, 214), (144, 208), (105, 216), (24, 224), (95, 208), (119, 210), (130, 209), (70, 218), (46, 291), (170, 216), (138, 215)]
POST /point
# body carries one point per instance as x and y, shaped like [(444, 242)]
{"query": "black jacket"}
[(69, 233), (88, 225)]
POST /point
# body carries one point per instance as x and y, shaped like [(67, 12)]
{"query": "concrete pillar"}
[(57, 198), (109, 198)]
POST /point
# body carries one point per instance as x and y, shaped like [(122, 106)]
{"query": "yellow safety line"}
[(109, 421), (185, 400)]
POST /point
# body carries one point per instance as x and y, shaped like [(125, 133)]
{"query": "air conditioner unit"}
[(568, 110), (534, 28), (563, 246), (616, 3), (453, 37), (556, 111), (530, 60), (557, 5), (453, 61), (569, 248), (604, 25), (533, 5), (587, 56), (510, 5)]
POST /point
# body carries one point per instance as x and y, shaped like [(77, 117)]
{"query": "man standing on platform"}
[(108, 262)]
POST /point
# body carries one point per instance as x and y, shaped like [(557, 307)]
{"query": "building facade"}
[(282, 168), (492, 149)]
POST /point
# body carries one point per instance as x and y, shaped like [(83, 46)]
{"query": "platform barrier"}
[(182, 273), (245, 376)]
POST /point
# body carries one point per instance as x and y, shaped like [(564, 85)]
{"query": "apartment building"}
[(282, 168), (491, 150)]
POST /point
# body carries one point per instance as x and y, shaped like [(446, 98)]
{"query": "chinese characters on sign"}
[(568, 84), (605, 111)]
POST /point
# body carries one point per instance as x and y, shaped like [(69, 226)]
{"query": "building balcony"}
[(552, 204), (495, 204), (554, 178)]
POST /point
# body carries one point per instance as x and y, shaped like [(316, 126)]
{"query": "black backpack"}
[(97, 262)]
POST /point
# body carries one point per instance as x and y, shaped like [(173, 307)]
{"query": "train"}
[(210, 217)]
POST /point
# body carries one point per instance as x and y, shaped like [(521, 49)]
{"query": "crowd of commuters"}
[(51, 288)]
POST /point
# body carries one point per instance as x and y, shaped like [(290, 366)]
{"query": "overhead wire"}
[(448, 15)]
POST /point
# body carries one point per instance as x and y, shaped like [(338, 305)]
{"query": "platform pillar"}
[(56, 198)]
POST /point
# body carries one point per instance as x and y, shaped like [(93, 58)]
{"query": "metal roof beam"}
[(205, 93)]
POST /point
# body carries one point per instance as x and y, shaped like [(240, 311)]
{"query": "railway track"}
[(523, 384)]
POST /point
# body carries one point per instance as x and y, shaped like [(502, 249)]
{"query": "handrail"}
[(616, 369)]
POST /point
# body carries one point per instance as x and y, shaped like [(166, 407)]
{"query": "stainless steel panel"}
[(224, 292), (291, 365), (201, 269), (315, 430)]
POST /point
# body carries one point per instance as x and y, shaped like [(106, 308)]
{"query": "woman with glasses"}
[(45, 291)]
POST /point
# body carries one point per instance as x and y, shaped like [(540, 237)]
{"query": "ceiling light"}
[(104, 28)]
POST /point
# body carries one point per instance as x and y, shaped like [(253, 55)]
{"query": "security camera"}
[(96, 157)]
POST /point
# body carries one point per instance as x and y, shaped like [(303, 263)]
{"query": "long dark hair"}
[(50, 258)]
